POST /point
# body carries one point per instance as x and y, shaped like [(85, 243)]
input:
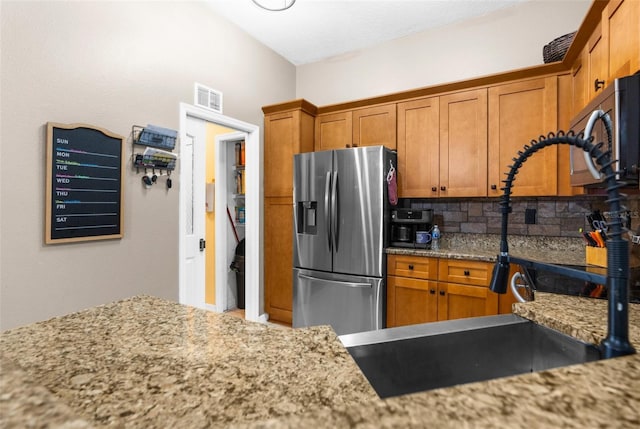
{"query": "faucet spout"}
[(617, 341)]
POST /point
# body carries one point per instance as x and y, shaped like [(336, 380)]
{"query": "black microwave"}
[(621, 101)]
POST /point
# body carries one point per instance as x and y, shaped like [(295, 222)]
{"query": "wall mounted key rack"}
[(157, 157)]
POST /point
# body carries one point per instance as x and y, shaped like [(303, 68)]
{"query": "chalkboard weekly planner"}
[(84, 183)]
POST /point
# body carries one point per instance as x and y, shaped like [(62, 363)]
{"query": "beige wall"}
[(508, 39), (110, 64)]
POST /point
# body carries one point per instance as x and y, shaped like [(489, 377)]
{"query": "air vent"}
[(208, 98)]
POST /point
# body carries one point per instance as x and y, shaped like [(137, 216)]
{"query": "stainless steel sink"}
[(416, 358)]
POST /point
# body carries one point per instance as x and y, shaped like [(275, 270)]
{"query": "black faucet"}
[(617, 341)]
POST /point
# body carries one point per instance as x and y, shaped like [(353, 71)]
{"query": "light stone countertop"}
[(485, 247), (147, 362)]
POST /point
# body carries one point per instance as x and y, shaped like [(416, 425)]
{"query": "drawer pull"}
[(466, 272), (411, 266)]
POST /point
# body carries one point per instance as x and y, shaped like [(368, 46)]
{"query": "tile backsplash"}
[(554, 216)]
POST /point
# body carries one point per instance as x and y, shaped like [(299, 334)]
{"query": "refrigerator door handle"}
[(347, 284), (327, 188), (335, 212)]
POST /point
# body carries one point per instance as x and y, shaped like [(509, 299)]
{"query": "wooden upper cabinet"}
[(442, 146), (371, 126), (285, 134), (333, 131), (565, 108), (597, 58), (418, 147), (579, 82), (518, 113), (375, 126), (612, 51), (621, 25), (589, 71), (463, 144)]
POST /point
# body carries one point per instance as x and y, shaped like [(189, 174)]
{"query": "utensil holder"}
[(596, 256)]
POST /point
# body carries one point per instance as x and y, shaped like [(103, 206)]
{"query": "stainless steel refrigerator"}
[(341, 218)]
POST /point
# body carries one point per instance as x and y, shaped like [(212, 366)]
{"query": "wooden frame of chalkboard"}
[(85, 176)]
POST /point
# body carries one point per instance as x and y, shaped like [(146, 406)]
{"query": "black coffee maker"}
[(411, 228)]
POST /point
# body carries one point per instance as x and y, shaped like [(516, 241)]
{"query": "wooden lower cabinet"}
[(423, 289), (457, 301), (411, 301), (278, 258)]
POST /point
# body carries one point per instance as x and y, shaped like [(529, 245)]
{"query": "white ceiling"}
[(313, 30)]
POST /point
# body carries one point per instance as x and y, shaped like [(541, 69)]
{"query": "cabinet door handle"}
[(443, 188), (598, 84), (442, 293), (434, 189), (432, 291), (347, 145), (411, 266), (494, 187), (466, 272)]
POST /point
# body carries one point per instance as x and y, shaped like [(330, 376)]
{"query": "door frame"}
[(254, 271), (224, 244)]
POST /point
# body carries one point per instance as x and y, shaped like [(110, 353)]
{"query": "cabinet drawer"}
[(466, 272), (419, 267), (417, 284)]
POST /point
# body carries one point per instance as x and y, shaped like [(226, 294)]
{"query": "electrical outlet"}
[(530, 216)]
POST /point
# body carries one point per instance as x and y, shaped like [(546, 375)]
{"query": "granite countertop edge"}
[(485, 247), (255, 377)]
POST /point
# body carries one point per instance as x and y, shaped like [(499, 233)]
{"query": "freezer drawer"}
[(348, 303)]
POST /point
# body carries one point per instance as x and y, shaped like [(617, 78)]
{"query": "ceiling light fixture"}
[(274, 5)]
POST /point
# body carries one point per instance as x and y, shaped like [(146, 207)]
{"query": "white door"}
[(193, 132), (192, 194)]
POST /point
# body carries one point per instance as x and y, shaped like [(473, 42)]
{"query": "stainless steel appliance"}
[(621, 101), (341, 217), (411, 228)]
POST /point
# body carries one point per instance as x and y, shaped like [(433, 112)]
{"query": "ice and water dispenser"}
[(306, 217)]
